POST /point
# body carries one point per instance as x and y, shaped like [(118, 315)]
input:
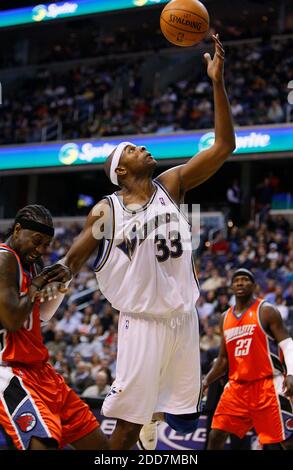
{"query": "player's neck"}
[(243, 304), (9, 242), (142, 190)]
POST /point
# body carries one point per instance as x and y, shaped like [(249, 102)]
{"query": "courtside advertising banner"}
[(257, 140)]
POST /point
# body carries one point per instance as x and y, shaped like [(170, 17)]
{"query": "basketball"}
[(184, 22)]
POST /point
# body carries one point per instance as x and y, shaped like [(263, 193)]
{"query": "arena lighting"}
[(254, 140), (67, 9)]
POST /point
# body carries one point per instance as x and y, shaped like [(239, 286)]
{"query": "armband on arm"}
[(61, 261), (48, 309)]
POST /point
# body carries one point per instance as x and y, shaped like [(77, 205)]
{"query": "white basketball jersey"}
[(147, 267)]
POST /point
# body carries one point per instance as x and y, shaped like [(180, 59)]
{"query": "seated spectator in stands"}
[(274, 271), (100, 389), (68, 324), (57, 344), (210, 339), (273, 252), (98, 303), (234, 200), (107, 316), (282, 224), (81, 377), (289, 295), (273, 291), (205, 309), (264, 197), (223, 302), (261, 261), (214, 282), (283, 309), (85, 326), (96, 365), (275, 112), (220, 245)]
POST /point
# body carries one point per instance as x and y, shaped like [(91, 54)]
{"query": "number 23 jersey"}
[(146, 266), (252, 353)]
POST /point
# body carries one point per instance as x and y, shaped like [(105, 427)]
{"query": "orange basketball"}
[(184, 22)]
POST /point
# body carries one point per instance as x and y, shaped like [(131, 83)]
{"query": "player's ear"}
[(121, 171), (17, 229)]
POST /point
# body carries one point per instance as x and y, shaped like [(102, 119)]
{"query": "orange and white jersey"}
[(24, 346), (252, 353)]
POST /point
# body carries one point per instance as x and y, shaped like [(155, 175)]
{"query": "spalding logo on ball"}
[(184, 22)]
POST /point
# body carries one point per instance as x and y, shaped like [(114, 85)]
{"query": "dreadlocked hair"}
[(33, 212)]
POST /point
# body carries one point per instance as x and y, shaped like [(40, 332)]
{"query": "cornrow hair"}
[(36, 213), (33, 212)]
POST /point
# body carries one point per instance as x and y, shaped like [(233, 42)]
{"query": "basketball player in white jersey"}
[(144, 268)]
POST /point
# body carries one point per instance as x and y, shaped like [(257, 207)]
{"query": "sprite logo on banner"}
[(251, 141), (70, 153), (41, 12)]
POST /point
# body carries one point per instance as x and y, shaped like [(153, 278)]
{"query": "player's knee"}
[(183, 424)]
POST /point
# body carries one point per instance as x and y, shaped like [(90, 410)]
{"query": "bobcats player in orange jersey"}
[(37, 409), (258, 354)]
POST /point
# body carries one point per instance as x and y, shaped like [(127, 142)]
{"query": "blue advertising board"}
[(254, 140)]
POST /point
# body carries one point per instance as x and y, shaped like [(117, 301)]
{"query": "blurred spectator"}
[(214, 282), (275, 112), (116, 98), (283, 309), (100, 389), (234, 201), (81, 377)]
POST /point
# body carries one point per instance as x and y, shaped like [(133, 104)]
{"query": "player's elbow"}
[(227, 148)]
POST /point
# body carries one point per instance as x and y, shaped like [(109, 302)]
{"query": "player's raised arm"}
[(95, 229), (204, 164)]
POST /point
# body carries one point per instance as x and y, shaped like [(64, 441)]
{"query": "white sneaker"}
[(148, 436)]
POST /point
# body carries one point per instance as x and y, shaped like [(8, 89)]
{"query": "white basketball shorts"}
[(158, 368)]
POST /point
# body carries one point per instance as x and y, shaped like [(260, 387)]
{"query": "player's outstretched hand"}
[(215, 66), (50, 291), (57, 273)]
